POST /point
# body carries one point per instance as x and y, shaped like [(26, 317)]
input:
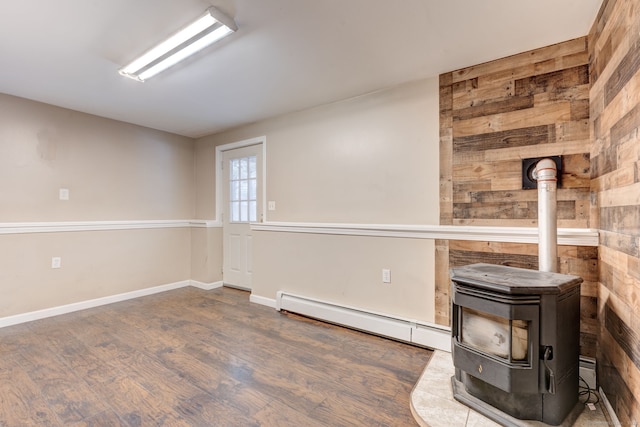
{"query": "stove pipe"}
[(546, 175)]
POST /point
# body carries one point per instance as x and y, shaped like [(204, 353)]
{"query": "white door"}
[(242, 172)]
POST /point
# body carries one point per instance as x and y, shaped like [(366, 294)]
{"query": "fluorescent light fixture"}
[(208, 29)]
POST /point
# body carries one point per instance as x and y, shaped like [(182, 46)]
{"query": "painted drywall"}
[(114, 172), (205, 181), (371, 159), (348, 270), (93, 265), (206, 254)]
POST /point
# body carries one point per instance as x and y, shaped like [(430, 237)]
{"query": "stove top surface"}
[(512, 280)]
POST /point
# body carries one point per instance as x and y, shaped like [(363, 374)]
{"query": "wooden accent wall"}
[(614, 48), (492, 116)]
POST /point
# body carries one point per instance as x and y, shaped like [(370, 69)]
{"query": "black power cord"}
[(585, 390)]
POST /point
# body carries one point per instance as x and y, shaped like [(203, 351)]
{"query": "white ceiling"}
[(287, 55)]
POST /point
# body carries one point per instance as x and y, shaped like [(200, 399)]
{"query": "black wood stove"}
[(515, 343)]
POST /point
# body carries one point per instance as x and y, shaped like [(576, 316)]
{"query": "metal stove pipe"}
[(546, 175)]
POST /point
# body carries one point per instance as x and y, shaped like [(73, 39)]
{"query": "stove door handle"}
[(550, 376)]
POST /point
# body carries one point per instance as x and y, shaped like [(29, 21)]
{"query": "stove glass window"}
[(495, 335)]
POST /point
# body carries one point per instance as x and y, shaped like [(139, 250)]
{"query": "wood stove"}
[(515, 343)]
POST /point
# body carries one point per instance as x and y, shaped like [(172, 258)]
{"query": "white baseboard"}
[(69, 308), (432, 336), (206, 286), (421, 333), (269, 302)]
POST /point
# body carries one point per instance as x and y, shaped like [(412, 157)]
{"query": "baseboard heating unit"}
[(411, 331)]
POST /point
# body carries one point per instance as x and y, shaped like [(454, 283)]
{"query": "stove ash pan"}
[(515, 343)]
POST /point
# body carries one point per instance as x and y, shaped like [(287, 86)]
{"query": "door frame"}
[(220, 150), (260, 140)]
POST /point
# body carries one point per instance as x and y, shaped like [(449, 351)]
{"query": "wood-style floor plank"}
[(190, 357)]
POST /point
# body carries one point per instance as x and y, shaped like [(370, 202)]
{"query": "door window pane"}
[(243, 189), (235, 169), (234, 190), (244, 166), (253, 172), (253, 184), (244, 213)]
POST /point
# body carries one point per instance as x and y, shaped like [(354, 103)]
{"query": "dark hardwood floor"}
[(201, 358)]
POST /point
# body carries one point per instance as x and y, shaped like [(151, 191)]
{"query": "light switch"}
[(56, 262), (64, 194), (386, 275)]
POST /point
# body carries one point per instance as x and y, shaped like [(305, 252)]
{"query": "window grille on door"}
[(243, 185)]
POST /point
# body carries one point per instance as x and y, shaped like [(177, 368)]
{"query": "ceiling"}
[(287, 55)]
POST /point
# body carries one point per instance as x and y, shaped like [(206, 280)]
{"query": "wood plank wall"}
[(614, 48), (492, 116)]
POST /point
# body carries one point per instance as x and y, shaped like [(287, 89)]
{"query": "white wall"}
[(368, 160), (115, 172), (371, 159)]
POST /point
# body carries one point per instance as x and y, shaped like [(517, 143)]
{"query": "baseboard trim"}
[(83, 305), (432, 336), (416, 332), (206, 286), (262, 301), (610, 412)]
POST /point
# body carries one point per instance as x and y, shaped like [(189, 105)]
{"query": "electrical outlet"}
[(56, 262), (64, 194), (386, 275), (271, 205)]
